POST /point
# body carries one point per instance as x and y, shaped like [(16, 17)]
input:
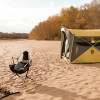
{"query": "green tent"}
[(80, 46)]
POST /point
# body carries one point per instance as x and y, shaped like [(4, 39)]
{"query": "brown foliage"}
[(13, 35), (85, 17)]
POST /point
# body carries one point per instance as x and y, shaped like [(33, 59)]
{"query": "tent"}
[(80, 46)]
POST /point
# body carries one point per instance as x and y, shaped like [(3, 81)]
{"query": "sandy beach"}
[(57, 78)]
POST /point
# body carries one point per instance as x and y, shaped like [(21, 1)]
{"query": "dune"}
[(57, 79)]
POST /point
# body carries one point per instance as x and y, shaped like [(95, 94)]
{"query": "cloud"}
[(23, 15), (51, 3), (87, 1), (24, 19)]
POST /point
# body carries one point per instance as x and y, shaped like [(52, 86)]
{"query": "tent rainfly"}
[(80, 46)]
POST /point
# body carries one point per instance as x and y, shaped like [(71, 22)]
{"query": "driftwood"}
[(4, 93)]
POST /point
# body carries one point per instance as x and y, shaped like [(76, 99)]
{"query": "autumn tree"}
[(13, 35), (84, 17)]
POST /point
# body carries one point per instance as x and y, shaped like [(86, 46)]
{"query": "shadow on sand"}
[(65, 95)]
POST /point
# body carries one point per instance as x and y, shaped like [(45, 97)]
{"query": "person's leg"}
[(66, 47)]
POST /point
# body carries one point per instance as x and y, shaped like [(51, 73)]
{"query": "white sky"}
[(23, 15)]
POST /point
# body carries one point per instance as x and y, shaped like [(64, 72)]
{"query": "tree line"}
[(84, 17), (13, 35)]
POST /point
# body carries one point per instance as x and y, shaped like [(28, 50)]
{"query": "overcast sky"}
[(23, 15)]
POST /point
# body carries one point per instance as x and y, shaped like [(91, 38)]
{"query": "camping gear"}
[(23, 64), (80, 46)]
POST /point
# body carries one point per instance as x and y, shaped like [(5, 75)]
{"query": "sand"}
[(57, 79)]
